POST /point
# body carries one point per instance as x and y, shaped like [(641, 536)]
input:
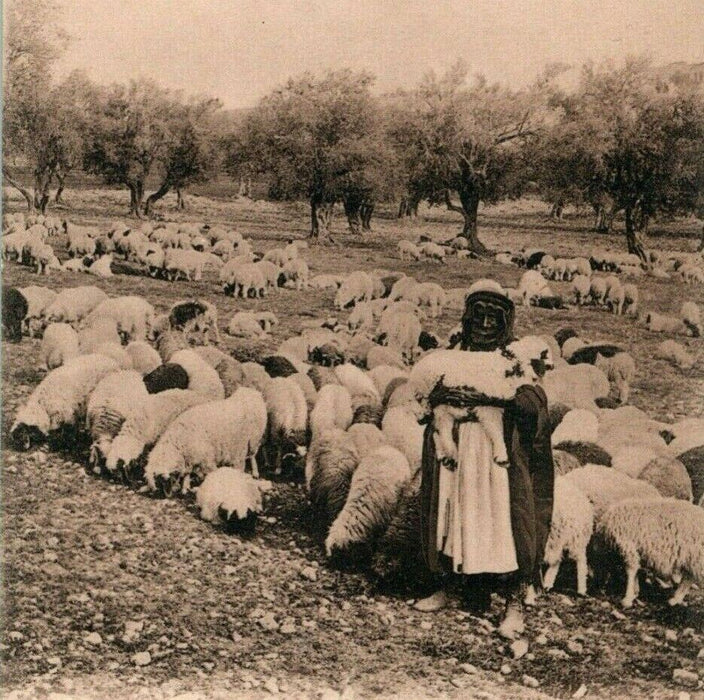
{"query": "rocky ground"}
[(109, 592)]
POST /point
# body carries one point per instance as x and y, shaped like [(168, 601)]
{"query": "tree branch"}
[(450, 205)]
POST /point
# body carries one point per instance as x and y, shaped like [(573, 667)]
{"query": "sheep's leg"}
[(581, 559), (631, 585), (551, 575), (682, 590), (531, 596), (491, 419), (254, 465)]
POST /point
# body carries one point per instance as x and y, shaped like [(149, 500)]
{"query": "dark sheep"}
[(427, 341), (326, 355), (123, 267), (167, 376), (693, 461), (368, 414), (553, 302), (588, 353), (535, 259), (586, 452), (14, 311), (278, 366), (564, 334), (104, 245), (186, 311)]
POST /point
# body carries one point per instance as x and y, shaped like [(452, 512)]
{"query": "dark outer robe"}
[(531, 484)]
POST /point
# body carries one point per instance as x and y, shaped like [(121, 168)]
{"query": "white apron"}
[(474, 509)]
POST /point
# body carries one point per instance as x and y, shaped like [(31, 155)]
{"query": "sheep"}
[(59, 402), (669, 476), (243, 279), (278, 366), (101, 267), (37, 298), (116, 396), (287, 413), (330, 463), (433, 251), (270, 272), (231, 495), (570, 346), (80, 240), (401, 287), (170, 342), (409, 251), (402, 430), (358, 286), (497, 375), (604, 486), (255, 376), (618, 366), (186, 263), (308, 389), (570, 531), (101, 330), (691, 317), (202, 378), (675, 353), (134, 316), (202, 438), (532, 286), (367, 413), (366, 438), (361, 317), (14, 312), (581, 286), (144, 426), (358, 348), (428, 294), (73, 304), (578, 425), (360, 386), (664, 534), (325, 282), (195, 318), (40, 254), (400, 331), (382, 375), (277, 256), (598, 289), (60, 344), (660, 323), (228, 369), (576, 386), (244, 324), (373, 495), (631, 297), (296, 271), (145, 358), (615, 295), (75, 265)]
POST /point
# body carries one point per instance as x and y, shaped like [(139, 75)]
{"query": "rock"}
[(530, 681), (700, 655), (271, 685), (457, 681), (575, 647), (94, 639), (618, 614), (142, 658), (308, 572), (468, 668), (426, 626), (671, 635), (268, 622), (54, 661), (682, 676), (580, 692), (558, 654), (519, 648), (541, 639), (288, 627), (505, 669)]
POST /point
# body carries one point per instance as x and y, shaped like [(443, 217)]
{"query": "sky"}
[(240, 50)]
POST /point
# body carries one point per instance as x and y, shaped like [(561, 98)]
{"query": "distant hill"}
[(680, 74)]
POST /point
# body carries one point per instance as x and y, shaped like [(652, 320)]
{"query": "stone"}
[(519, 648), (575, 647), (268, 622), (530, 681), (671, 635), (580, 692), (541, 639), (142, 658), (468, 668), (94, 639), (682, 676), (271, 685), (426, 626), (505, 669)]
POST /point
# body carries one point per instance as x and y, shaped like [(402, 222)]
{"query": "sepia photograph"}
[(352, 350)]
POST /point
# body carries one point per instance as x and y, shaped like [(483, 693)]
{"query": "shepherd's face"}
[(486, 325)]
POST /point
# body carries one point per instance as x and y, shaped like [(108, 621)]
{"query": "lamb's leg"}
[(682, 590), (445, 448), (551, 575), (491, 419), (631, 585), (581, 559)]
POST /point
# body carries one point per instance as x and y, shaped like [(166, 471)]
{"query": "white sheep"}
[(361, 317), (59, 345), (400, 331), (359, 384), (101, 330), (333, 409), (287, 413), (358, 286), (277, 256), (372, 498), (38, 299), (101, 267), (270, 271), (570, 531), (215, 434), (383, 375), (60, 399), (576, 386), (532, 286), (326, 282), (674, 352), (428, 294), (243, 279), (116, 352), (631, 298), (494, 374), (660, 323), (597, 290), (577, 425), (145, 358), (296, 271), (691, 317), (115, 398), (379, 355), (402, 430), (145, 426), (231, 494), (134, 316), (366, 438), (401, 287), (433, 251), (615, 295), (663, 534), (73, 304), (202, 378), (581, 286), (186, 263), (244, 324), (409, 251)]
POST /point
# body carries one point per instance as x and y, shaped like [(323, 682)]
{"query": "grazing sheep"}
[(326, 282), (401, 287), (101, 330), (669, 476), (615, 295), (570, 346), (186, 263), (330, 463), (604, 486), (372, 498), (60, 344), (115, 398), (409, 251), (433, 251), (73, 304), (576, 386), (400, 331), (532, 287), (494, 374), (691, 317), (218, 433), (402, 430), (581, 286), (59, 402), (14, 312), (308, 389), (244, 324), (38, 298), (195, 317), (366, 438), (333, 409), (617, 365), (674, 352), (255, 376), (202, 378), (663, 534), (170, 342), (296, 271), (359, 384), (145, 358), (287, 413), (659, 323), (598, 290), (693, 460), (631, 297), (361, 317), (101, 267), (231, 495), (243, 279), (144, 427), (358, 286), (578, 425)]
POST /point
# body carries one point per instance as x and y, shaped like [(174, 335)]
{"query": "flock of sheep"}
[(343, 402)]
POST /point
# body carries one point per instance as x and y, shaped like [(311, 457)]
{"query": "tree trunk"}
[(470, 207), (557, 210), (61, 177), (180, 199), (320, 218), (136, 195), (701, 242), (156, 196), (42, 182), (366, 212), (352, 207), (29, 198), (635, 245)]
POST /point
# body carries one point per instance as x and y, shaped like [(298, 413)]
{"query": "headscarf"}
[(505, 307)]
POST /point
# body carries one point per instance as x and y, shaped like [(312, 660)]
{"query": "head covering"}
[(504, 333)]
